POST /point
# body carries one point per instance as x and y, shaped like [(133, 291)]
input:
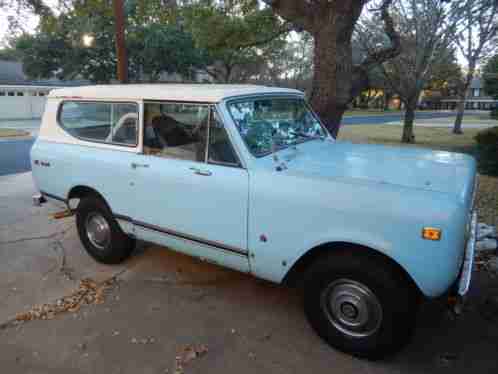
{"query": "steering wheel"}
[(120, 124)]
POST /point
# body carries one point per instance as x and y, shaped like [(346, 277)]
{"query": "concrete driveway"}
[(40, 258), (163, 306)]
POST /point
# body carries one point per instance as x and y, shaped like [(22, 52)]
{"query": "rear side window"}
[(115, 123)]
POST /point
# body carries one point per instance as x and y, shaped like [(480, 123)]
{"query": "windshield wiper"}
[(307, 136)]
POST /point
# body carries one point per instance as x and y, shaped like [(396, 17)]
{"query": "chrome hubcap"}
[(98, 230), (351, 307)]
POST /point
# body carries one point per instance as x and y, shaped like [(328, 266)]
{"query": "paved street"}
[(163, 302), (14, 156)]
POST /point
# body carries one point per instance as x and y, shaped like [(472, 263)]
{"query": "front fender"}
[(433, 278)]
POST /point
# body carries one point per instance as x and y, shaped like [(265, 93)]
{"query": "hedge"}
[(487, 150)]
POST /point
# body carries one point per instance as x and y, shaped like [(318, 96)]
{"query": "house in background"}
[(21, 98), (477, 99)]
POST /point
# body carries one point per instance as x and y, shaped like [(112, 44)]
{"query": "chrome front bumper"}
[(468, 262)]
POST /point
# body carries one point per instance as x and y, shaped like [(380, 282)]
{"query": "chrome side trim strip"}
[(55, 197), (183, 236)]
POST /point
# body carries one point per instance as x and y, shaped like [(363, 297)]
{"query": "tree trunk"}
[(332, 76), (122, 60), (335, 81), (464, 93), (387, 98), (408, 136), (457, 127), (228, 73)]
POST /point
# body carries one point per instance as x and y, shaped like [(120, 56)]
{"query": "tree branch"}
[(377, 57), (382, 55), (256, 43), (38, 7), (297, 12)]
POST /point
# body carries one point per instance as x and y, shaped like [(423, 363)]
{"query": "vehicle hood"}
[(403, 166)]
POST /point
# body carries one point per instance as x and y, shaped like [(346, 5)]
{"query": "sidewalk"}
[(469, 122), (164, 306)]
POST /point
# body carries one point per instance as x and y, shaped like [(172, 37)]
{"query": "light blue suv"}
[(248, 178)]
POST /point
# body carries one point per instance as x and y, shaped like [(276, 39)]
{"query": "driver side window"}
[(176, 130), (220, 147)]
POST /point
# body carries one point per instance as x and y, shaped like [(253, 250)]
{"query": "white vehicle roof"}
[(211, 93)]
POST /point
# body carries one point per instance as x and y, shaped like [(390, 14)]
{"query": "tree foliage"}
[(291, 65), (155, 44), (236, 35), (232, 41), (157, 48)]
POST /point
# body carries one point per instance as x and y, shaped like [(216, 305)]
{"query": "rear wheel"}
[(100, 233), (360, 304)]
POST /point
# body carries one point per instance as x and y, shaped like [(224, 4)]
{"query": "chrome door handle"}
[(134, 165), (199, 171)]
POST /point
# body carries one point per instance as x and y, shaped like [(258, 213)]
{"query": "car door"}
[(188, 196)]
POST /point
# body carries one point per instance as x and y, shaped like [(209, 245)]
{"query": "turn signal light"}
[(431, 233)]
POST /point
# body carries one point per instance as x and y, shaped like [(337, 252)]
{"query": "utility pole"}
[(120, 41)]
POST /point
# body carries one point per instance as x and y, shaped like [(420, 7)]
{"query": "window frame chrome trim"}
[(239, 164), (211, 107), (208, 131), (59, 122)]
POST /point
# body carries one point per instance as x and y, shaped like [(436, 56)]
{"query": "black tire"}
[(118, 247), (329, 284)]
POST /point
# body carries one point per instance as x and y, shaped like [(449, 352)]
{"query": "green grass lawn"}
[(427, 137), (6, 133)]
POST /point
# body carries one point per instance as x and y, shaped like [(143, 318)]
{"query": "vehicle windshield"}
[(268, 124)]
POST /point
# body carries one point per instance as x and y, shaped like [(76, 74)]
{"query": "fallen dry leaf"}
[(88, 292), (187, 354)]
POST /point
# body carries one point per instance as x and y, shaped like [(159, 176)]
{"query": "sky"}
[(29, 21)]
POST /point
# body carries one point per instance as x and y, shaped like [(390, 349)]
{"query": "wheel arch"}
[(294, 275), (81, 191)]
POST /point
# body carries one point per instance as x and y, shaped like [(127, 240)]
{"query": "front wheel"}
[(360, 304)]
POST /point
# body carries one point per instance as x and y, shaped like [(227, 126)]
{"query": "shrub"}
[(487, 150)]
